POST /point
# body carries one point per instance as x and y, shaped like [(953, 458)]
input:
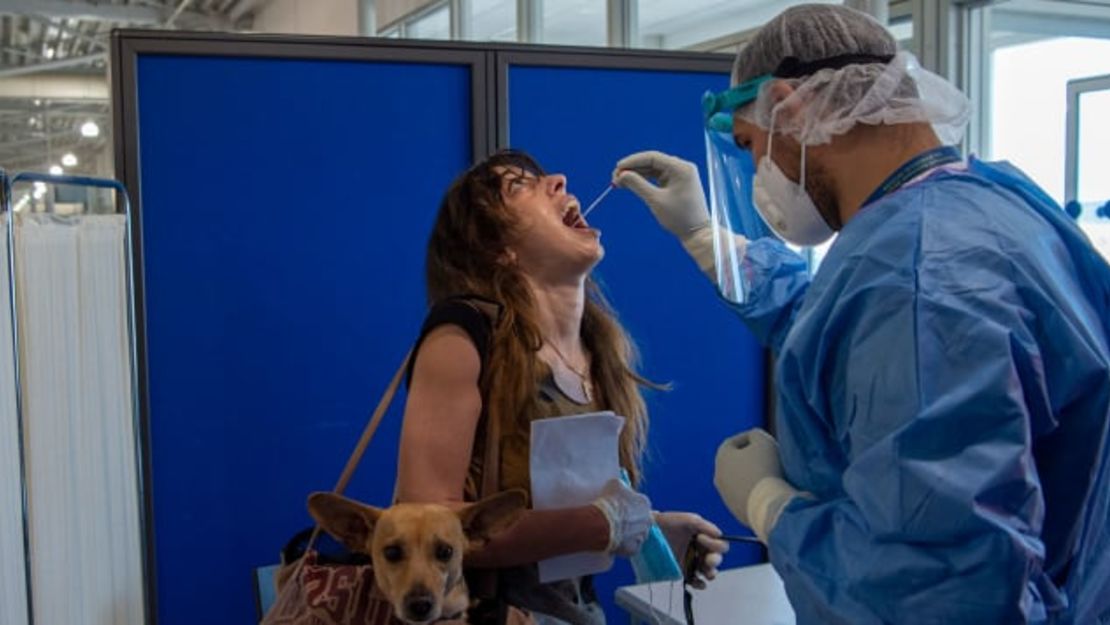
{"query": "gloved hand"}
[(629, 516), (677, 201), (748, 477), (680, 528)]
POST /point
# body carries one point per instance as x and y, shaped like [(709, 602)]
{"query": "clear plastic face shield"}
[(835, 94), (731, 172)]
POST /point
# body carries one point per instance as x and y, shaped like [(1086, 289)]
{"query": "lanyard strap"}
[(695, 553), (915, 167)]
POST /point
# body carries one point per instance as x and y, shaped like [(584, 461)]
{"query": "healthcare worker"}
[(942, 382)]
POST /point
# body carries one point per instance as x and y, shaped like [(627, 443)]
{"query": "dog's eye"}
[(444, 552), (393, 553)]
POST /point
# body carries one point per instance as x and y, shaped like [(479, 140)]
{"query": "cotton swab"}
[(594, 204)]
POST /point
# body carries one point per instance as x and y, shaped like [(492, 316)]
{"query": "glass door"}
[(1088, 154)]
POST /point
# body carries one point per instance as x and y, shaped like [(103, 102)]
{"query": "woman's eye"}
[(516, 185)]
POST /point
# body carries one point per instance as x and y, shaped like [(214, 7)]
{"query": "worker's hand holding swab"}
[(676, 199)]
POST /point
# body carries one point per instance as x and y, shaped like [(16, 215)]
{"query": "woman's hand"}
[(680, 528), (629, 516)]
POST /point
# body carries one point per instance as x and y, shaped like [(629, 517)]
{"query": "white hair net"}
[(830, 101)]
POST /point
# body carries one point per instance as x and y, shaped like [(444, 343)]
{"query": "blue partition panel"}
[(580, 121), (285, 207)]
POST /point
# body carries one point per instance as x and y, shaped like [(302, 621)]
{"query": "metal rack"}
[(7, 184)]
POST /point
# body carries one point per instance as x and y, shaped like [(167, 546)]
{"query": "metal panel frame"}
[(127, 46), (622, 23), (1076, 89), (508, 55), (6, 205)]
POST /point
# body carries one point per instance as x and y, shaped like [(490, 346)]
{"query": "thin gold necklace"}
[(583, 378)]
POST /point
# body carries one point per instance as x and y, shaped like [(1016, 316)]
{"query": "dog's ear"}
[(350, 522), (484, 518)]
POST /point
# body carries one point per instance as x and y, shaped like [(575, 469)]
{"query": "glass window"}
[(493, 20), (902, 29), (433, 25), (1092, 184), (672, 25), (575, 22), (1031, 61), (1034, 49)]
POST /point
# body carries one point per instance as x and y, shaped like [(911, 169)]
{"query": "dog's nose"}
[(418, 606)]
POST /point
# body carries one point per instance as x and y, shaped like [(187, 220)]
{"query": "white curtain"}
[(86, 558), (13, 587)]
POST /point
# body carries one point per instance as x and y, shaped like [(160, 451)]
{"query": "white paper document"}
[(572, 458)]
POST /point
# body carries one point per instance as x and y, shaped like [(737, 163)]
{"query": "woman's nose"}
[(556, 183)]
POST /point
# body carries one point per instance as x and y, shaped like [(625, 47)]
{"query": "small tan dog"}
[(417, 549)]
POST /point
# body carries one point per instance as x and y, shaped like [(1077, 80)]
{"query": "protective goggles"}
[(717, 108)]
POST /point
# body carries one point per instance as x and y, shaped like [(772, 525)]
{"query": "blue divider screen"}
[(285, 209), (580, 122)]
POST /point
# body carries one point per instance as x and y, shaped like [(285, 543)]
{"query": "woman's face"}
[(551, 239)]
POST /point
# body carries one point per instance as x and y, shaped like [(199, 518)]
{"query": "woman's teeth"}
[(573, 218)]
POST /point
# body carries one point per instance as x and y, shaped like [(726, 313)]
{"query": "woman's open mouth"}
[(572, 216)]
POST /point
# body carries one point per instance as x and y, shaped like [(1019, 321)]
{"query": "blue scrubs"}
[(944, 395)]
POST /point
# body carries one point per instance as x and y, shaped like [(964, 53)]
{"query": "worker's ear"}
[(784, 96)]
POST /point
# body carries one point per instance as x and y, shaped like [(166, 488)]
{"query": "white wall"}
[(309, 17)]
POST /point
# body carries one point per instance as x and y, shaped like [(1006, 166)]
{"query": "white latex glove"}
[(677, 202), (629, 516), (680, 528), (748, 477)]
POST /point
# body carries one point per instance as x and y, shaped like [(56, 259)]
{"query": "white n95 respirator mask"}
[(784, 204)]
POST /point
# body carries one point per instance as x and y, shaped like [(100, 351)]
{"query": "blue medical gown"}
[(944, 395)]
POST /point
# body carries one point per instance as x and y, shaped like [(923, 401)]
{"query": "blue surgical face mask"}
[(655, 562)]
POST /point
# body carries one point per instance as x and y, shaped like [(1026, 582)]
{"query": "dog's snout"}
[(418, 605)]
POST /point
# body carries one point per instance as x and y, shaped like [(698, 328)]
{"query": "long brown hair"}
[(465, 257)]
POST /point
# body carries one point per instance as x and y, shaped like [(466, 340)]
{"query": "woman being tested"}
[(519, 332)]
